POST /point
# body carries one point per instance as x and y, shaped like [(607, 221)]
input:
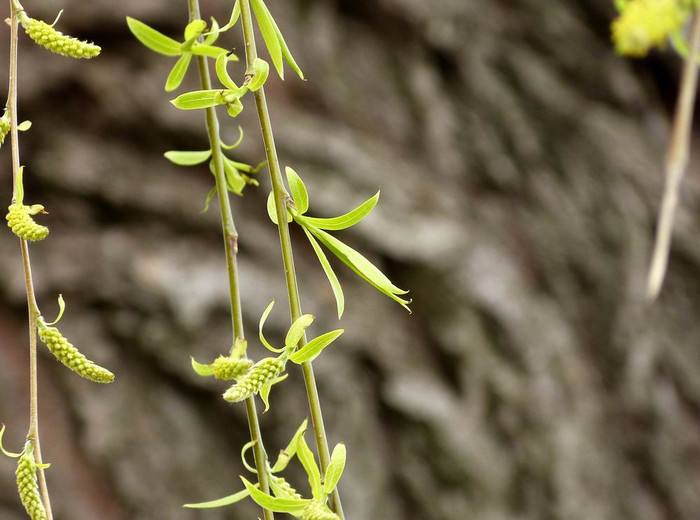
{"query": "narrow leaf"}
[(261, 70), (2, 447), (285, 50), (194, 29), (187, 158), (213, 34), (198, 99), (297, 330), (306, 457), (201, 369), (298, 189), (313, 348), (177, 73), (347, 220), (61, 310), (261, 324), (154, 40), (330, 274), (234, 181), (272, 210), (287, 453), (220, 502), (207, 201), (236, 144), (292, 506), (335, 469), (267, 30), (223, 75), (210, 51)]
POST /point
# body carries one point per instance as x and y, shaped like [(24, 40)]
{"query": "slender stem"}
[(281, 196), (32, 309), (676, 163), (231, 248)]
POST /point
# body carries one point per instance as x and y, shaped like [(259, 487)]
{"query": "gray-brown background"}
[(519, 163)]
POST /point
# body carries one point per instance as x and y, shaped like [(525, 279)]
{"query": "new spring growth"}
[(280, 487), (26, 477), (46, 36), (644, 24), (20, 216), (316, 230), (226, 368), (64, 351)]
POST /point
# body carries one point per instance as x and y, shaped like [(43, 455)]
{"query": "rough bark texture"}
[(519, 162)]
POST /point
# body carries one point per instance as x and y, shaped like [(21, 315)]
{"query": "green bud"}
[(20, 221)]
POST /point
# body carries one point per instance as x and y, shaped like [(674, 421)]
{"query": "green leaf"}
[(313, 348), (272, 211), (361, 266), (265, 391), (306, 457), (220, 502), (330, 274), (292, 506), (187, 158), (267, 30), (210, 51), (285, 50), (261, 324), (207, 201), (236, 144), (213, 34), (335, 469), (61, 310), (223, 75), (234, 181), (24, 126), (194, 29), (297, 330), (153, 39), (235, 15), (177, 73), (298, 189), (2, 447), (234, 108), (290, 450), (201, 369), (347, 220), (198, 99), (261, 70)]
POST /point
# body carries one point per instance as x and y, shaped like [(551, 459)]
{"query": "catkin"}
[(318, 511), (55, 41), (27, 484), (4, 127), (644, 24), (284, 488), (71, 357), (228, 368), (20, 221), (261, 373)]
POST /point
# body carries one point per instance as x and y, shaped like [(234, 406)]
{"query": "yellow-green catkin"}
[(27, 484), (284, 488), (250, 384), (20, 221), (318, 511), (228, 368), (46, 36), (4, 126), (71, 357), (644, 24)]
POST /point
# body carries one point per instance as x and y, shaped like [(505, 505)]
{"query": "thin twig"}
[(33, 311), (231, 248), (676, 163), (280, 196)]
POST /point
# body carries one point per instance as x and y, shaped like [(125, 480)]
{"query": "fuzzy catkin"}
[(318, 511), (261, 373), (20, 221), (46, 36), (71, 357), (644, 24), (27, 484), (4, 127), (285, 488), (228, 368)]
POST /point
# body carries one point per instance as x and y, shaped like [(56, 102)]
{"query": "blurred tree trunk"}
[(519, 163)]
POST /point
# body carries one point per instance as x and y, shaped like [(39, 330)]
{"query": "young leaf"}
[(223, 75), (198, 99), (234, 181), (330, 274), (210, 51), (236, 144), (24, 126), (361, 266), (220, 502), (187, 158), (306, 457), (265, 391), (194, 29), (287, 453), (272, 211), (297, 330), (177, 73), (213, 34), (234, 108), (61, 310), (2, 448), (298, 189), (267, 30), (347, 220), (313, 348), (261, 324), (293, 506), (285, 49), (201, 369), (207, 201), (154, 40), (261, 69), (335, 469), (235, 15)]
